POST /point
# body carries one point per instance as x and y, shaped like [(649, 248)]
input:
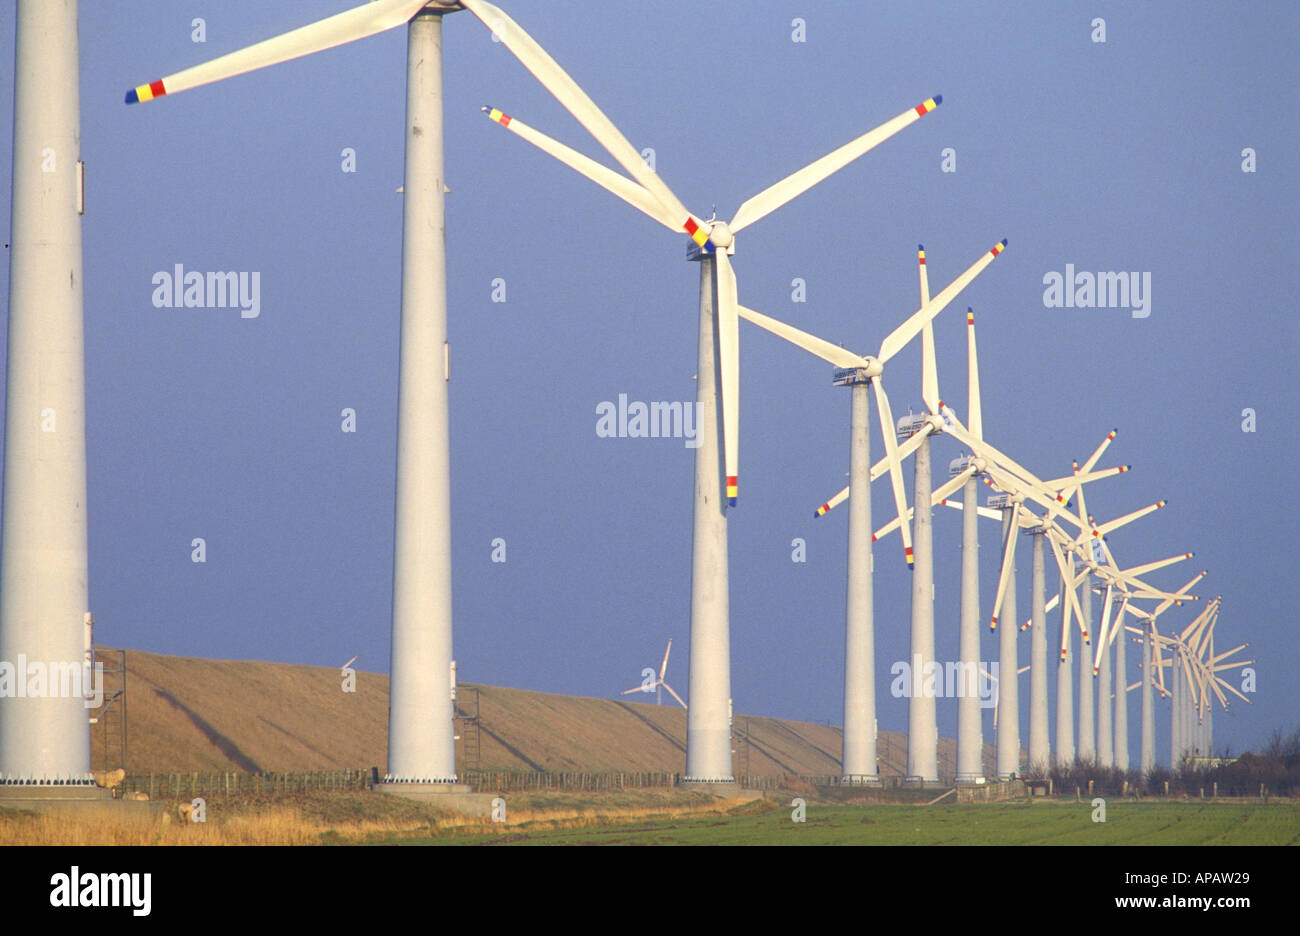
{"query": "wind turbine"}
[(420, 728), (1020, 486), (659, 683), (1210, 665), (1153, 663), (1196, 669), (856, 372), (43, 571), (1126, 584), (708, 745)]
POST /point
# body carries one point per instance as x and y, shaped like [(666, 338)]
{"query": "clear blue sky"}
[(1117, 156)]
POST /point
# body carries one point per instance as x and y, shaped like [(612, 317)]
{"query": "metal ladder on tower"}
[(112, 714), (466, 710)]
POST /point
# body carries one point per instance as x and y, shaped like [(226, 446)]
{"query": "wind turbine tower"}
[(43, 572), (421, 746)]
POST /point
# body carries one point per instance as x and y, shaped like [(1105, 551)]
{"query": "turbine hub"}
[(721, 235)]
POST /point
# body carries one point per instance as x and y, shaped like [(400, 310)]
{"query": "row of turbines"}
[(43, 591)]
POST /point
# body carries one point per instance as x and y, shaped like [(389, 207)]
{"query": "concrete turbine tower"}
[(45, 740), (421, 747)]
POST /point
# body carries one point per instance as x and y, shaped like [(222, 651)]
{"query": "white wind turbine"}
[(1195, 676), (856, 372), (1210, 665), (420, 728), (659, 683), (1089, 533), (708, 747), (1094, 739), (1126, 583), (1153, 665), (1004, 474)]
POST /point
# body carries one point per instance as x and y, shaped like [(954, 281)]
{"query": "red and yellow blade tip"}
[(1025, 626), (697, 233), (731, 490), (920, 254), (146, 92), (821, 510), (1062, 656), (929, 105), (1112, 434), (999, 247), (907, 554), (498, 116), (1124, 468), (970, 317), (993, 624), (1161, 503), (1095, 671)]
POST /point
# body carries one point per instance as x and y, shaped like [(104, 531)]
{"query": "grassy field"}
[(1040, 823), (668, 817)]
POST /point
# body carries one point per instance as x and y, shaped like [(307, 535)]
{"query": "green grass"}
[(1041, 823)]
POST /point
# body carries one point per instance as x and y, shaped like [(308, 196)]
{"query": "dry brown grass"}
[(283, 822)]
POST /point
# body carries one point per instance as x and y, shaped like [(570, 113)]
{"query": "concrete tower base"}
[(458, 797)]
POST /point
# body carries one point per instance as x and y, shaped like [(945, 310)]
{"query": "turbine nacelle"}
[(910, 425), (963, 463), (851, 376)]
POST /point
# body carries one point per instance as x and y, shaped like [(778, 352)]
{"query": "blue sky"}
[(1123, 155)]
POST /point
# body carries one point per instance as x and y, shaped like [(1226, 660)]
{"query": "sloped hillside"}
[(188, 714)]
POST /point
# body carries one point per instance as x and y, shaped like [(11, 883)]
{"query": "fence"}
[(231, 782), (235, 782)]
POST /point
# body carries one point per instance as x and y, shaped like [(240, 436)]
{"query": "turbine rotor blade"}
[(974, 413), (895, 468), (565, 90), (729, 367), (794, 185), (831, 353), (635, 195), (834, 502), (929, 369), (896, 340), (1008, 563), (356, 23)]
